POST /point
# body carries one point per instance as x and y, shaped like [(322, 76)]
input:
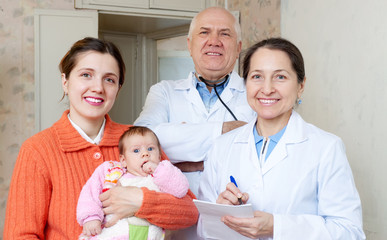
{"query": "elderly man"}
[(188, 114)]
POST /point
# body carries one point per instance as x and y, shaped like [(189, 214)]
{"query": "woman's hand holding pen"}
[(259, 226), (231, 194)]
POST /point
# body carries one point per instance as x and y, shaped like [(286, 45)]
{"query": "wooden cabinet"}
[(187, 8), (115, 3), (183, 5), (55, 32)]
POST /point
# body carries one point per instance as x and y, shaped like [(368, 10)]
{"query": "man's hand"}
[(228, 126), (190, 166), (121, 202)]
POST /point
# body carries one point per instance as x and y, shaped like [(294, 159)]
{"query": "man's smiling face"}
[(214, 45)]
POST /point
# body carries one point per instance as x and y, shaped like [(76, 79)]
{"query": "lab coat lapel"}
[(227, 93), (278, 154), (294, 134), (192, 95), (247, 137)]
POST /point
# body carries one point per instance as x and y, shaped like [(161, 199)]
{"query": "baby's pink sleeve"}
[(89, 206), (170, 179)]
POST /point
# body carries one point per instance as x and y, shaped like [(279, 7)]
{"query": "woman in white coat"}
[(295, 175)]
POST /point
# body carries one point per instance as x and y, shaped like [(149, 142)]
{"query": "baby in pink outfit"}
[(141, 166)]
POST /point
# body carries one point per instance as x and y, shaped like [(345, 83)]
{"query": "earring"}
[(299, 101)]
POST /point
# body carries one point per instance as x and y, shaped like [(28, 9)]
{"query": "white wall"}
[(344, 44)]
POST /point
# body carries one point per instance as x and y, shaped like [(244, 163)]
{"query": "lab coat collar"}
[(186, 83), (296, 130), (190, 83), (192, 95), (295, 133), (235, 84)]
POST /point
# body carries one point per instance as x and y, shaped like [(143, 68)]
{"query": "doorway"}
[(174, 60), (137, 37)]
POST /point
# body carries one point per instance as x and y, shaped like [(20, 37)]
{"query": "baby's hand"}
[(149, 167), (92, 228)]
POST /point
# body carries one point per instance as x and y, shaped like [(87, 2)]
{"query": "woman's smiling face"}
[(92, 86), (271, 84)]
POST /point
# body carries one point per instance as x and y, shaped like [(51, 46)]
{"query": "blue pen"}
[(232, 179)]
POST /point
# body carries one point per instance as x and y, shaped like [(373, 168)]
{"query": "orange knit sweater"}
[(50, 171)]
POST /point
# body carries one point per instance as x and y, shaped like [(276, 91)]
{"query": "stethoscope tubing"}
[(214, 86)]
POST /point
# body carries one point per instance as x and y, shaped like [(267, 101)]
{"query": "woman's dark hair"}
[(69, 60), (135, 130), (281, 44)]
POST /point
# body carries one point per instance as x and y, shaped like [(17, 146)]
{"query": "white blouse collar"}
[(96, 140)]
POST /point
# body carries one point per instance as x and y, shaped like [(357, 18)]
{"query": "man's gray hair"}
[(237, 26)]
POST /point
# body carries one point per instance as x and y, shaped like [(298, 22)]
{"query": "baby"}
[(141, 166)]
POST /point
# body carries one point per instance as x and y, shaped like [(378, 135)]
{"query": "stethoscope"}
[(210, 83)]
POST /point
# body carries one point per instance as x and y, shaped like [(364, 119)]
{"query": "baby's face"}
[(139, 150)]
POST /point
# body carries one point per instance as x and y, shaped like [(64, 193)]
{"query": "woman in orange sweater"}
[(54, 164)]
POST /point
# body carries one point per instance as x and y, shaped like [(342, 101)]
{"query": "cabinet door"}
[(184, 5), (128, 103), (122, 3), (55, 32)]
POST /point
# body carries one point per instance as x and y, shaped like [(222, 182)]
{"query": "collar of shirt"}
[(274, 139), (208, 98), (97, 139)]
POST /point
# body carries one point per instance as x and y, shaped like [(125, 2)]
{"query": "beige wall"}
[(344, 45), (260, 18), (17, 82)]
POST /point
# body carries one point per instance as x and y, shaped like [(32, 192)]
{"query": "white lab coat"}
[(306, 182), (171, 103)]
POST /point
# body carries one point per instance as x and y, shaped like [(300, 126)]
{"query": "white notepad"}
[(211, 213)]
